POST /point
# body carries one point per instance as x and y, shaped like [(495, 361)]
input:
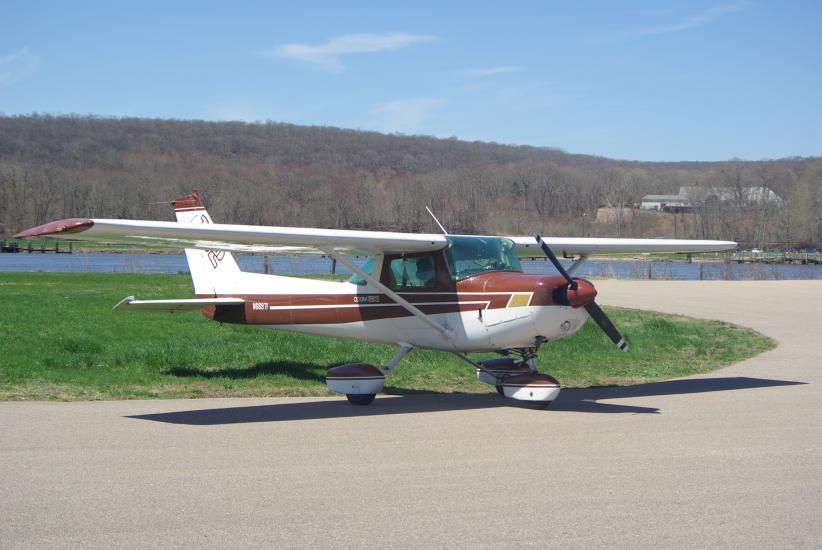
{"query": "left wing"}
[(239, 238)]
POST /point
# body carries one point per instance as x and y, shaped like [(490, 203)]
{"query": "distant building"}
[(690, 195), (667, 203), (750, 194)]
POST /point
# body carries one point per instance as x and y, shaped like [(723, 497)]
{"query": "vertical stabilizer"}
[(212, 271)]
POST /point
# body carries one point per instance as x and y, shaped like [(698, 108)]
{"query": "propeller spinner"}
[(590, 306)]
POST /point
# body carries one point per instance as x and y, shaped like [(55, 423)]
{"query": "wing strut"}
[(411, 308), (578, 262)]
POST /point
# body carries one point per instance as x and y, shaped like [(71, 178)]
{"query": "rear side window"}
[(368, 267), (416, 272)]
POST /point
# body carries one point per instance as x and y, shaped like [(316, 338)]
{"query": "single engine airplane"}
[(456, 293)]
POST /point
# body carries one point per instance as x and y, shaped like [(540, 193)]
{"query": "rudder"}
[(212, 271)]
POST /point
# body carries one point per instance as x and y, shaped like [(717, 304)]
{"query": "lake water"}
[(293, 265)]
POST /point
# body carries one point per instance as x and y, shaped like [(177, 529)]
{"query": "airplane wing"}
[(193, 304), (238, 238), (304, 240), (527, 247)]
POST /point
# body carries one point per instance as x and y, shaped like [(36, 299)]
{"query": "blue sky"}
[(631, 80)]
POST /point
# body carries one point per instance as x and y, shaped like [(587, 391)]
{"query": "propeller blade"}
[(592, 308), (606, 325), (555, 261)]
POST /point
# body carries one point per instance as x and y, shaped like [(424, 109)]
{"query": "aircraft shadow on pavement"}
[(570, 400), (300, 371)]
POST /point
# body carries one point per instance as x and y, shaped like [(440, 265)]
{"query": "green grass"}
[(60, 340)]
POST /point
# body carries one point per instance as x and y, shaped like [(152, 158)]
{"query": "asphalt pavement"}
[(725, 460)]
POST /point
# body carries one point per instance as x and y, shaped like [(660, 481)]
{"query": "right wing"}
[(527, 247)]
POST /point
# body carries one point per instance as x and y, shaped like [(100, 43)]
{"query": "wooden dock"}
[(14, 246), (778, 257)]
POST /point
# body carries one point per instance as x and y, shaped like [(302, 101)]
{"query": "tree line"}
[(282, 174)]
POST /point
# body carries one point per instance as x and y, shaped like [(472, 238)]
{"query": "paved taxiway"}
[(729, 459)]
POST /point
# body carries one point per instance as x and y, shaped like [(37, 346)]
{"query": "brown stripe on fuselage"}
[(490, 290)]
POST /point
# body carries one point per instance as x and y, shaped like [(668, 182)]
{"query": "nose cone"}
[(556, 291), (584, 294)]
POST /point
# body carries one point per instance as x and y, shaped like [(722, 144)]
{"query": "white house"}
[(666, 203), (690, 195)]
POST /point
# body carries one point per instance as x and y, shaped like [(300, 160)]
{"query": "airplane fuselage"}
[(485, 312)]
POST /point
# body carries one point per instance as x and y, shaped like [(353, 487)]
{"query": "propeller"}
[(550, 253), (606, 325), (591, 307)]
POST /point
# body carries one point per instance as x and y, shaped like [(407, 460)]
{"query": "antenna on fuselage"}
[(444, 232)]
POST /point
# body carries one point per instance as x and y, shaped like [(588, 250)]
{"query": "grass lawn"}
[(59, 340)]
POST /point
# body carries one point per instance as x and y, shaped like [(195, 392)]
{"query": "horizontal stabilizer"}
[(192, 304)]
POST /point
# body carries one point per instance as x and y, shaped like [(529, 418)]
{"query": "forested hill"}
[(283, 174)]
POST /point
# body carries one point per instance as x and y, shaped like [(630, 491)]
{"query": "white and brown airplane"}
[(456, 293)]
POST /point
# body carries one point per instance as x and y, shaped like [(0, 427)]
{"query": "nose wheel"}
[(535, 405), (360, 398)]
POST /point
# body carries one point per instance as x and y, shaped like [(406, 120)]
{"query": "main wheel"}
[(534, 405), (500, 390), (360, 398)]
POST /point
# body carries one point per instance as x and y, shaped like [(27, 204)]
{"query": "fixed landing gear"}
[(360, 398), (519, 379), (361, 382)]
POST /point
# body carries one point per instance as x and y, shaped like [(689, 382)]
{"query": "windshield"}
[(469, 255)]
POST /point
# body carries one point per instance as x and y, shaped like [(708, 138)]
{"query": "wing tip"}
[(69, 225)]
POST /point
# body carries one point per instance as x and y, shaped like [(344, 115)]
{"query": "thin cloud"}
[(403, 115), (491, 71), (703, 18), (17, 66), (329, 54)]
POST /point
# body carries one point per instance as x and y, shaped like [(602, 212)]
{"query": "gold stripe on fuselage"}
[(520, 300)]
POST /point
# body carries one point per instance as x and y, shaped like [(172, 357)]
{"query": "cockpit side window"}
[(413, 272)]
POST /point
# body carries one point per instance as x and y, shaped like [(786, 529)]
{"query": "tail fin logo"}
[(215, 257)]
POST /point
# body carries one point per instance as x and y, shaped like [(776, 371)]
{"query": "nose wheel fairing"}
[(517, 378), (532, 386)]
